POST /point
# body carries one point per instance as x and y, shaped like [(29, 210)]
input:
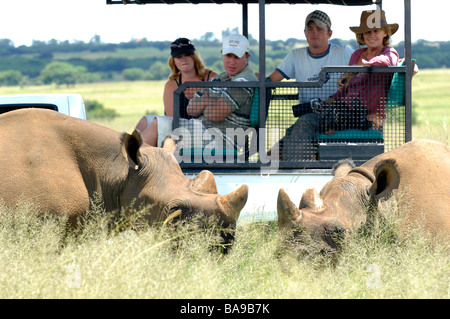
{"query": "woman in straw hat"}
[(369, 90), (359, 103)]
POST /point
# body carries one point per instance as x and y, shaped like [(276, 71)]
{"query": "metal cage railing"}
[(364, 126)]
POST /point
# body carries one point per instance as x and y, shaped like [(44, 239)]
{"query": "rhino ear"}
[(311, 199), (387, 179), (131, 145), (342, 167), (205, 183), (287, 211)]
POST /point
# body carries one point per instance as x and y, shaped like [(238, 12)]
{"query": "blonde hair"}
[(199, 66), (386, 40)]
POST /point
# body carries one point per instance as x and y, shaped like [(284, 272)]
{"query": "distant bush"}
[(10, 77), (158, 71), (95, 109), (133, 74), (59, 72)]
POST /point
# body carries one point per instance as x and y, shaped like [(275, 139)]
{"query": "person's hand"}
[(329, 101), (376, 119), (343, 81)]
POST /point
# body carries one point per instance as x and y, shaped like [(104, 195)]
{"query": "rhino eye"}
[(367, 190), (333, 236), (177, 210), (182, 210), (296, 233)]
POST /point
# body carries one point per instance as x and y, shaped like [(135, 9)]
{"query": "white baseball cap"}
[(236, 44)]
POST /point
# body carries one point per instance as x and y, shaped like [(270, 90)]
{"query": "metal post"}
[(262, 64), (409, 72), (245, 19)]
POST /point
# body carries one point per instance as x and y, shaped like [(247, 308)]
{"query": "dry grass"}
[(39, 260)]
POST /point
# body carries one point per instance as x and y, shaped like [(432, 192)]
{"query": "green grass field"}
[(431, 91), (39, 260), (131, 100), (430, 95)]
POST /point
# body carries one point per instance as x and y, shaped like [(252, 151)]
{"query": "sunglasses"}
[(174, 45)]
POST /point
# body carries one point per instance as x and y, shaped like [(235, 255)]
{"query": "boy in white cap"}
[(226, 107), (218, 105)]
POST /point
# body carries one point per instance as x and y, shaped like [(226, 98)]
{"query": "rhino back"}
[(424, 171), (53, 160)]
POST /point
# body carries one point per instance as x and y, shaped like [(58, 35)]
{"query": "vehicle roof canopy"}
[(338, 2)]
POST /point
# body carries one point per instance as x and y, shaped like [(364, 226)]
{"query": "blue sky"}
[(26, 20)]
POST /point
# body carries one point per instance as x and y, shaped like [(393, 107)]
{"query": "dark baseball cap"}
[(181, 45)]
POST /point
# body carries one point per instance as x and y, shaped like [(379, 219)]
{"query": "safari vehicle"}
[(272, 114), (69, 104)]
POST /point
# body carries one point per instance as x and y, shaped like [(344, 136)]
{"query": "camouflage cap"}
[(320, 18)]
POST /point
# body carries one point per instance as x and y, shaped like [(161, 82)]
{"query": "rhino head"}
[(319, 222), (155, 181), (311, 227)]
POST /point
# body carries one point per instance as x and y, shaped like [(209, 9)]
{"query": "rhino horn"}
[(169, 144), (205, 183), (232, 203), (311, 199), (287, 211)]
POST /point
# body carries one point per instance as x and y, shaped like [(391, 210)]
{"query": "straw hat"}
[(374, 19)]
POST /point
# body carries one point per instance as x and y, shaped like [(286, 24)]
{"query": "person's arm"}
[(217, 110), (286, 69), (276, 76), (344, 80), (197, 104), (189, 93), (389, 57), (214, 109), (209, 75), (379, 60), (169, 88)]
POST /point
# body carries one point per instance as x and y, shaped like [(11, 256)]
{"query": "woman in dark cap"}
[(186, 65)]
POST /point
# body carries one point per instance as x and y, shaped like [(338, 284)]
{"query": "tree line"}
[(68, 63)]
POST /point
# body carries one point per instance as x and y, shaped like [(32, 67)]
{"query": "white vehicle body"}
[(263, 189), (69, 104)]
